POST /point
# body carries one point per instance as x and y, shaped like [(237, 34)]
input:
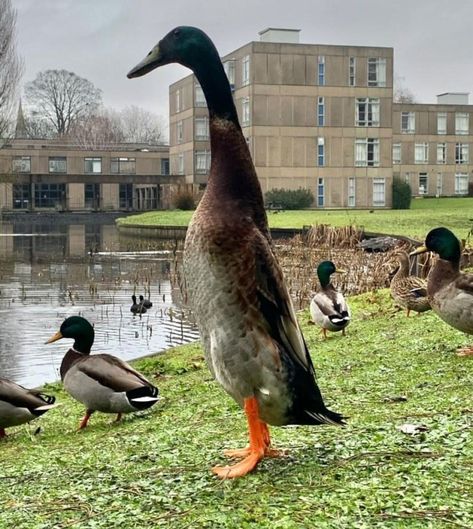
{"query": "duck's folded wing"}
[(465, 282), (112, 372), (21, 397), (276, 305), (328, 306)]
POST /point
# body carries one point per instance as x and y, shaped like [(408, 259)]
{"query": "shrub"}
[(184, 200), (289, 198), (402, 194)]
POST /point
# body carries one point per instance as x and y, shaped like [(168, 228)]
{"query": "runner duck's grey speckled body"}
[(252, 341)]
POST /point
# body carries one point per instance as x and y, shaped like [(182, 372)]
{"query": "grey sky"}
[(102, 39)]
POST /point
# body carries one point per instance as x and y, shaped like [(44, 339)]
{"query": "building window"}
[(180, 163), (462, 123), (49, 195), (202, 128), (245, 72), (178, 100), (408, 122), (352, 71), (92, 196), (421, 153), (202, 162), (125, 195), (461, 184), (320, 111), (321, 152), (21, 196), (351, 192), (165, 166), (441, 123), (423, 183), (377, 72), (367, 112), (21, 164), (179, 132), (396, 153), (321, 70), (439, 184), (462, 153), (123, 165), (245, 111), (320, 193), (407, 178), (441, 153), (229, 67), (199, 97), (92, 165), (57, 164), (379, 198), (367, 152)]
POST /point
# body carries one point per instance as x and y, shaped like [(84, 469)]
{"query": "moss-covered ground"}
[(153, 469)]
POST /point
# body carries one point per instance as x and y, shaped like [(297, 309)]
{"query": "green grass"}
[(153, 470), (427, 213)]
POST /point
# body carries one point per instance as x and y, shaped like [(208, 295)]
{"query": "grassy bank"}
[(153, 469), (427, 213)]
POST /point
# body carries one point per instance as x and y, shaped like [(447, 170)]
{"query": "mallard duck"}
[(251, 338), (137, 308), (102, 382), (450, 291), (328, 308), (19, 405), (146, 303), (410, 292)]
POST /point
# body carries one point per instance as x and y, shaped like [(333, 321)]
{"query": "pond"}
[(52, 267)]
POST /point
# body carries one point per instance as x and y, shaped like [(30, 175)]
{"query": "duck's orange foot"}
[(240, 469), (85, 420), (465, 351), (245, 452)]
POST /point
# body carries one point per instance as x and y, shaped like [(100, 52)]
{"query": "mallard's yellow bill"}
[(55, 337)]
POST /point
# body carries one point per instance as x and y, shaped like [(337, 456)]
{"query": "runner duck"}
[(328, 308), (102, 382), (252, 341), (450, 291), (19, 405)]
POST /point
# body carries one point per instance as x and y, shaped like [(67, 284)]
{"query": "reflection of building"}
[(322, 117), (40, 175)]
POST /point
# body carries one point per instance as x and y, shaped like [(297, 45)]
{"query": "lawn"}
[(427, 213), (153, 469)]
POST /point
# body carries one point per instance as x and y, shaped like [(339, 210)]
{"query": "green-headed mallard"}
[(19, 405), (410, 292), (450, 291), (102, 382), (250, 334), (328, 308)]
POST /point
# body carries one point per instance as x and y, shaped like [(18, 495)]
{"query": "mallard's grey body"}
[(329, 309)]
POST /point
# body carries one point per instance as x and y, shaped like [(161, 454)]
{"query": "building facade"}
[(322, 117), (42, 175)]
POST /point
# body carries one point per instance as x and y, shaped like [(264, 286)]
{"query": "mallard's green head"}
[(185, 45), (444, 243), (80, 330), (325, 270)]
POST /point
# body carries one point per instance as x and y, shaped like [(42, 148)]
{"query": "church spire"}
[(20, 128)]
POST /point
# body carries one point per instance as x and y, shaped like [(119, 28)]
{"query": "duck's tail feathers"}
[(143, 397), (326, 417), (50, 399), (46, 407)]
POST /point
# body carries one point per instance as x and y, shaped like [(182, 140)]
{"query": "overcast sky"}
[(102, 39)]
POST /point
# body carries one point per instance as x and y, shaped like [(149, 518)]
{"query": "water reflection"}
[(50, 270)]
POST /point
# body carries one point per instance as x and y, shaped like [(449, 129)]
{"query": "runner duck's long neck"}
[(232, 174)]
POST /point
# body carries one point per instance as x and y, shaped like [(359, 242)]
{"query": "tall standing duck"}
[(410, 292), (102, 382), (252, 341), (328, 308), (19, 405), (450, 291)]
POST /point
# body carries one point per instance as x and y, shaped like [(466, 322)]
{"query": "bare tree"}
[(62, 98), (11, 67), (97, 131), (141, 126), (402, 94)]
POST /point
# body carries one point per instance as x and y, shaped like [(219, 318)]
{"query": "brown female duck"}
[(410, 292), (252, 341), (450, 291)]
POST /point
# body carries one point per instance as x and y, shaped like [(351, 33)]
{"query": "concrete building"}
[(322, 117), (42, 175)]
